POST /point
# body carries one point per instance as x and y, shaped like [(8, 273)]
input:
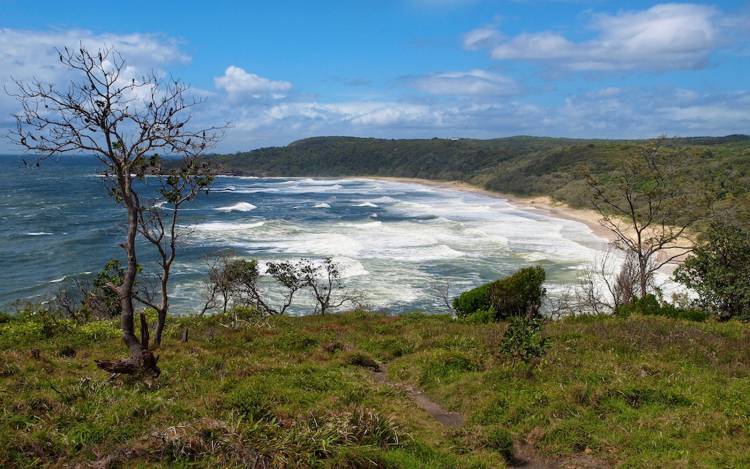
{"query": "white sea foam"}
[(217, 226), (238, 207), (38, 233), (58, 280), (418, 237)]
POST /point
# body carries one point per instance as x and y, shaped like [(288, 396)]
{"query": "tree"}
[(649, 208), (126, 122), (718, 270), (325, 282), (180, 186)]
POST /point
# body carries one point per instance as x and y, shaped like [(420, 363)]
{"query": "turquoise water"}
[(394, 240)]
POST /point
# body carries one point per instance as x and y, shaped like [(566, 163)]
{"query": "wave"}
[(38, 233), (238, 207), (225, 226), (367, 204), (322, 205)]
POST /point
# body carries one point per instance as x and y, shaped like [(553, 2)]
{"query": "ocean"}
[(395, 241)]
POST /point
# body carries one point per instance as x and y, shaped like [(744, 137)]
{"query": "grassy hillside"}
[(518, 165), (636, 392)]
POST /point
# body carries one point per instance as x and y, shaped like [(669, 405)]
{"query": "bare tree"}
[(126, 122), (649, 209), (325, 282), (603, 288), (442, 289)]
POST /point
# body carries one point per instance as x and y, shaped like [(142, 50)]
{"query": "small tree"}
[(649, 208), (325, 282), (179, 186), (126, 122), (718, 270)]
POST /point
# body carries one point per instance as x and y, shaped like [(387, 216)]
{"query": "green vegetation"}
[(633, 391), (515, 295), (523, 166), (719, 271)]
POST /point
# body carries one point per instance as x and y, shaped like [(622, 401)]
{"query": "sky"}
[(282, 70)]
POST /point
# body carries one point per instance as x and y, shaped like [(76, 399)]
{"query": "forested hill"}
[(519, 165)]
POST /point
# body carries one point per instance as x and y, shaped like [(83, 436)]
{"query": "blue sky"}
[(285, 70)]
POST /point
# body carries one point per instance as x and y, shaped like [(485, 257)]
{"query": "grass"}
[(631, 392)]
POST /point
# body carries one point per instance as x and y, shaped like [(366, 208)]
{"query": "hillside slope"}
[(301, 392), (517, 165)]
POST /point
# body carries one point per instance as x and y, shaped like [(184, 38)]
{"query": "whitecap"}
[(322, 205), (367, 204), (38, 233), (224, 226), (238, 207), (58, 280)]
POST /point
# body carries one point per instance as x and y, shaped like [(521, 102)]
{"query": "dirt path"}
[(524, 454), (449, 419)]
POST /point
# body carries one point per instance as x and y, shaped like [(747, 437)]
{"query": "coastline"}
[(543, 204)]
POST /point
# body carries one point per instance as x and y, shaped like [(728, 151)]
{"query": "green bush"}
[(5, 317), (519, 294), (482, 316), (649, 305), (523, 339), (719, 271), (473, 300), (501, 441)]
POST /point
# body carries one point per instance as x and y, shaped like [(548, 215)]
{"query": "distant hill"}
[(519, 165)]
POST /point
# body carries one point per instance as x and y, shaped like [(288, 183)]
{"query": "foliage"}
[(473, 300), (501, 441), (518, 294), (523, 339), (102, 302), (718, 270), (649, 305)]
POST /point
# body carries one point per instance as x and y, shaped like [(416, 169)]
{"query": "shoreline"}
[(543, 204)]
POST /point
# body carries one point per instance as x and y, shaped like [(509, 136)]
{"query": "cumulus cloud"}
[(26, 54), (669, 36), (240, 84), (471, 83)]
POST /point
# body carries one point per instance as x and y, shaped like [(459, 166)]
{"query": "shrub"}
[(519, 294), (482, 316), (649, 305), (719, 272), (5, 317), (472, 300), (523, 339), (501, 441)]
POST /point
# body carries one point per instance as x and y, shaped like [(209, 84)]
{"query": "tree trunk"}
[(128, 282)]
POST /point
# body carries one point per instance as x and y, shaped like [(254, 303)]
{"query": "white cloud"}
[(672, 36), (240, 84), (26, 54), (471, 83), (481, 37)]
